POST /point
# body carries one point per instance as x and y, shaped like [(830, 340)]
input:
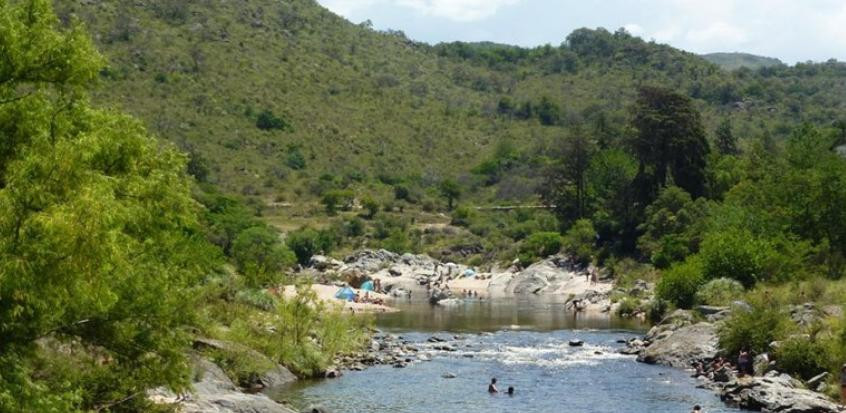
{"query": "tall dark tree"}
[(725, 141), (670, 142), (566, 178)]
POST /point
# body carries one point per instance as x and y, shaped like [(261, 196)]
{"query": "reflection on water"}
[(473, 315)]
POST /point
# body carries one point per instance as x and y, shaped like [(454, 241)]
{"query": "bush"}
[(402, 193), (370, 206), (628, 307), (260, 256), (398, 241), (540, 244), (295, 160), (680, 283), (734, 254), (307, 242), (580, 240), (337, 199), (268, 121), (721, 291), (462, 216), (656, 310), (354, 227), (754, 328), (802, 357)]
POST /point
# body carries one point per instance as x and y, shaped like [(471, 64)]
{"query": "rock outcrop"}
[(215, 393), (775, 393)]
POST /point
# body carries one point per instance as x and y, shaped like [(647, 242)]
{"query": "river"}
[(523, 344)]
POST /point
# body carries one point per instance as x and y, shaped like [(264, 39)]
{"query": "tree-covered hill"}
[(732, 61), (283, 99)]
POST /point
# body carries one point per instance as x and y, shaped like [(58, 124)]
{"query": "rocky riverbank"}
[(408, 276), (682, 341)]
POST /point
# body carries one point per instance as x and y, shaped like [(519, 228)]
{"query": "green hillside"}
[(343, 105), (733, 61)]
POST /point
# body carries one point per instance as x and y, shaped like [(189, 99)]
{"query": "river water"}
[(521, 343)]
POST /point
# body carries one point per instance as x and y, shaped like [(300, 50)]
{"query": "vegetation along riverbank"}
[(187, 187)]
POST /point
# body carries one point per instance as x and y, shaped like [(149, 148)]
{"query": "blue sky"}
[(791, 30)]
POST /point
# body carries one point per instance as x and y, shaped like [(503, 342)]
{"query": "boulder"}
[(776, 393), (680, 347), (215, 393)]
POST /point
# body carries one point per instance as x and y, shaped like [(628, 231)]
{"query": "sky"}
[(791, 30)]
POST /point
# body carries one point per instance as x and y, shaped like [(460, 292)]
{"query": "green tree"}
[(580, 241), (670, 142), (261, 256), (566, 179), (370, 206), (451, 191), (307, 242), (337, 199), (672, 226), (726, 142), (99, 239)]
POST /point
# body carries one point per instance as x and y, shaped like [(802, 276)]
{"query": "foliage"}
[(628, 307), (539, 245), (673, 222), (670, 141), (736, 255), (656, 309), (337, 199), (266, 120), (802, 357), (680, 283), (720, 292), (261, 256), (307, 242), (450, 191), (100, 244), (580, 240), (753, 328), (371, 206)]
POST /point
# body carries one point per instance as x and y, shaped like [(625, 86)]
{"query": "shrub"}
[(337, 199), (540, 244), (354, 227), (398, 241), (721, 291), (266, 120), (628, 307), (753, 328), (802, 357), (462, 216), (734, 254), (295, 160), (401, 193), (679, 284), (656, 310), (307, 242), (370, 206), (580, 240), (261, 256)]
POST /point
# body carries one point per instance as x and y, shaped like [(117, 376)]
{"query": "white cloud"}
[(634, 29), (458, 10)]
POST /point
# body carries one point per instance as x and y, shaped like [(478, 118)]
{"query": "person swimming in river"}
[(492, 387), (510, 390), (696, 409)]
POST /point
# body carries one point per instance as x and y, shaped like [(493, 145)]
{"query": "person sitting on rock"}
[(492, 387)]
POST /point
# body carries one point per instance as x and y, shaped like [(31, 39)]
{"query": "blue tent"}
[(367, 286), (345, 293)]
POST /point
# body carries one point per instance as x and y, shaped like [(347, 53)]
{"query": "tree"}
[(726, 142), (670, 142), (371, 206), (261, 256), (566, 179), (451, 191), (307, 242), (670, 230), (99, 237)]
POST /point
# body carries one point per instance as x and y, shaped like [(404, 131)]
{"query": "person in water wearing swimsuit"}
[(492, 387)]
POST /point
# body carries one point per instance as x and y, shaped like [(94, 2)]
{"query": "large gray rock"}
[(776, 393), (680, 347), (215, 393)]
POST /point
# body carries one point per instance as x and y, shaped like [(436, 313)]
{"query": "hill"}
[(283, 100), (733, 61)]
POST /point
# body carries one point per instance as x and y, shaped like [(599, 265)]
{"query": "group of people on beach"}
[(493, 390)]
